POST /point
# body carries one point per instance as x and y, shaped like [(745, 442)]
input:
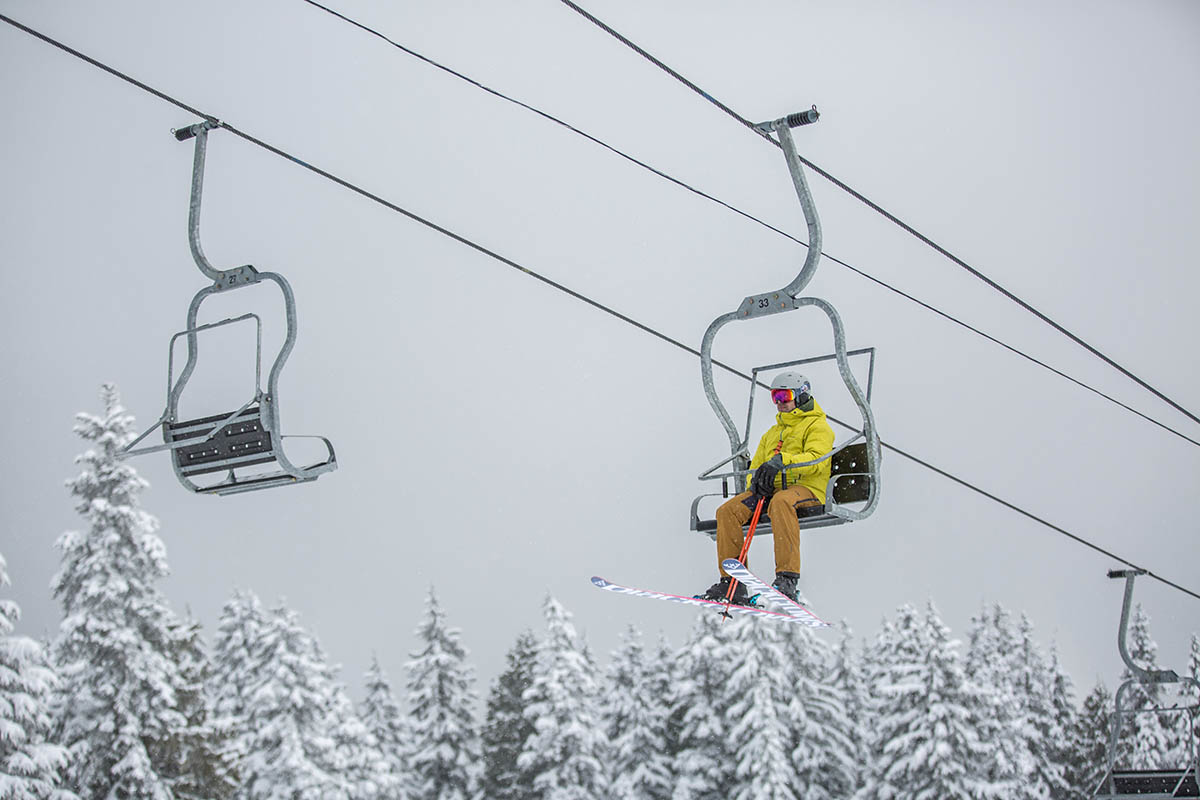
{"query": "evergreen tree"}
[(991, 666), (506, 730), (1061, 744), (1038, 717), (1191, 693), (122, 710), (926, 742), (383, 718), (760, 733), (565, 755), (1089, 740), (699, 704), (636, 720), (31, 766), (825, 739), (444, 744), (199, 755), (236, 669), (662, 674), (846, 675), (293, 728)]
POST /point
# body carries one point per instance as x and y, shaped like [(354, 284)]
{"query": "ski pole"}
[(745, 549)]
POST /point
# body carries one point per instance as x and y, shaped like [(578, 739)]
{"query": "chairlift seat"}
[(854, 487), (242, 442), (1151, 783)]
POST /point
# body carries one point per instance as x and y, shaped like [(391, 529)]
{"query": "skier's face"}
[(785, 407)]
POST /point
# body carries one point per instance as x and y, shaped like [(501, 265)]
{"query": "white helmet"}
[(800, 385)]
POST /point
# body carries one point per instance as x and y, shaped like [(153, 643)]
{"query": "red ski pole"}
[(745, 549)]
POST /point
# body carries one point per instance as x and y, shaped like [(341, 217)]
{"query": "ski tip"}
[(598, 581), (732, 563)]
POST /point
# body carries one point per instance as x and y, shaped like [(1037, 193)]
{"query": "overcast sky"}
[(498, 439)]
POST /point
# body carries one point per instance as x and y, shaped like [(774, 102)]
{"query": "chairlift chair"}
[(1126, 784), (242, 442), (855, 464)]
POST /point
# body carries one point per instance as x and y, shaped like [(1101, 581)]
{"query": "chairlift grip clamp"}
[(1125, 573), (791, 120), (192, 131)]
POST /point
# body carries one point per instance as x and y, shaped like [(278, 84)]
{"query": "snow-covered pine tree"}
[(383, 718), (759, 731), (1152, 740), (31, 765), (635, 719), (825, 743), (1191, 695), (991, 666), (661, 676), (121, 703), (444, 744), (199, 753), (699, 704), (565, 756), (236, 664), (292, 725), (505, 728), (1062, 701), (1038, 717), (1089, 743), (926, 742), (847, 675)]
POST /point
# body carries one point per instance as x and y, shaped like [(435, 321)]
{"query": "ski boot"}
[(720, 589), (785, 583)]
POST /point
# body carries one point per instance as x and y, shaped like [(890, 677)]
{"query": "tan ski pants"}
[(734, 513)]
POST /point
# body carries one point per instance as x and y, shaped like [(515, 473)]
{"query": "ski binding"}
[(769, 596)]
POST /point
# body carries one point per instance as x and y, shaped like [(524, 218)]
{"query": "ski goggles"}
[(788, 395)]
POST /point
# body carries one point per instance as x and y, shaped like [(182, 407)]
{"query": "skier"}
[(801, 434)]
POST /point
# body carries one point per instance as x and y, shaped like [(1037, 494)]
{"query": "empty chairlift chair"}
[(1125, 784), (244, 446)]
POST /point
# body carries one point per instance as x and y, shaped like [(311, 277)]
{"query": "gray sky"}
[(500, 440)]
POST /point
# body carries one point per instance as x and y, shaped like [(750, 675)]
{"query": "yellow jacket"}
[(800, 436)]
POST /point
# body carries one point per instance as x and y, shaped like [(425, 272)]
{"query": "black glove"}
[(764, 477)]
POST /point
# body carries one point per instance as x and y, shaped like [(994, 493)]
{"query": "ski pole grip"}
[(803, 118)]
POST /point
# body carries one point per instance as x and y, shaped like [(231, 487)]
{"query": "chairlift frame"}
[(1125, 784), (250, 435), (788, 299)]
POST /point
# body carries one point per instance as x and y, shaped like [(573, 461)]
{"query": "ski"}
[(696, 601), (770, 595)]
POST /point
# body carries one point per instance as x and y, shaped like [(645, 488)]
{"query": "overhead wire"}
[(885, 213), (684, 185), (560, 287)]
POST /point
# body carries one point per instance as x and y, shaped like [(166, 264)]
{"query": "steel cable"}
[(888, 215), (560, 287)]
